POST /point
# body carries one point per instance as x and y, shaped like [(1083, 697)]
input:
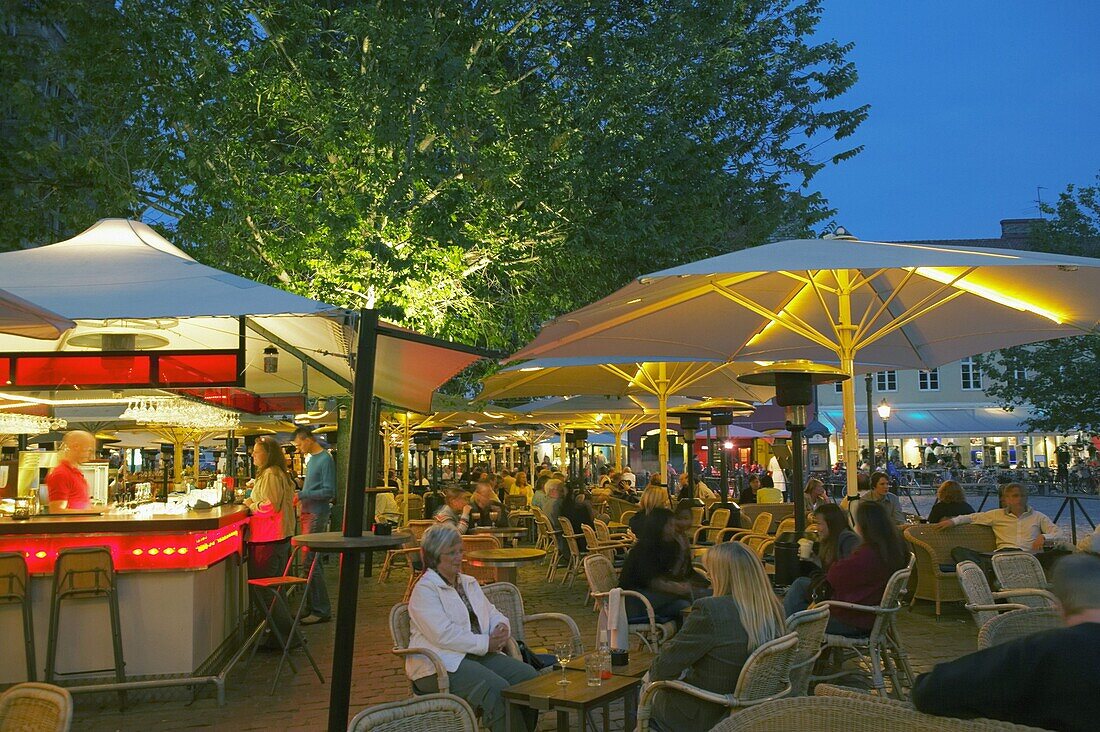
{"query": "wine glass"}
[(565, 652)]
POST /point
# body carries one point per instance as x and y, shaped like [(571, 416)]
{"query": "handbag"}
[(528, 656), (820, 589)]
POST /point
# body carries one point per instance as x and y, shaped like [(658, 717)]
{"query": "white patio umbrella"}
[(625, 377), (837, 300), (21, 318)]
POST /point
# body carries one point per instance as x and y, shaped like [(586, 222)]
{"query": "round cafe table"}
[(511, 533), (505, 561), (336, 542)]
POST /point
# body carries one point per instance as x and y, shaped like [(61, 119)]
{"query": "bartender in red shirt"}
[(67, 485)]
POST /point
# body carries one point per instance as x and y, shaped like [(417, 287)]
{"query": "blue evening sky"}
[(973, 105)]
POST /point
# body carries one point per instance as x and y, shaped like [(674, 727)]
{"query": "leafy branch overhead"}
[(470, 169)]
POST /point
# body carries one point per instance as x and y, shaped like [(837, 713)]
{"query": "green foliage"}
[(471, 169), (1059, 377)]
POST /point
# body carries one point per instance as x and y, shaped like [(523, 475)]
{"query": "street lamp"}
[(884, 414)]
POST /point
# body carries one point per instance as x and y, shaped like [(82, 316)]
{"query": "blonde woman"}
[(652, 497), (717, 638)]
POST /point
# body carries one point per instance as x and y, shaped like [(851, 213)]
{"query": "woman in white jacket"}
[(450, 615)]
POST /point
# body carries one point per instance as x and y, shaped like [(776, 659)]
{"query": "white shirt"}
[(1013, 532), (779, 479), (439, 621), (630, 478)]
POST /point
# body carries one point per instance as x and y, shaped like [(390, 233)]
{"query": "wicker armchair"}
[(764, 677), (428, 713), (810, 627), (936, 579), (602, 578), (1020, 570), (1017, 624), (982, 601), (709, 534), (407, 554), (882, 646), (847, 711), (575, 553), (779, 511), (35, 706), (625, 517), (477, 542), (507, 598), (760, 525)]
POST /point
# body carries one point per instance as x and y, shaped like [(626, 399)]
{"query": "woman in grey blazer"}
[(718, 636)]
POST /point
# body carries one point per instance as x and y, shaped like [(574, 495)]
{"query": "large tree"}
[(1057, 380), (469, 168)]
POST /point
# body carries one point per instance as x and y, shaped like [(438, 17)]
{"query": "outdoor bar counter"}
[(181, 588)]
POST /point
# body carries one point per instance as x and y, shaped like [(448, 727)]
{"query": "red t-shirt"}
[(67, 483)]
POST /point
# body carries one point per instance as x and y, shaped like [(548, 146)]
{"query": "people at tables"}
[(861, 577), (450, 615), (539, 498), (67, 486), (578, 511), (1045, 680), (880, 493), (815, 495), (520, 487), (652, 497), (717, 638), (455, 509), (622, 490), (950, 502), (700, 491), (1016, 527), (386, 508), (835, 540), (271, 523), (629, 478), (485, 509), (659, 567), (748, 493)]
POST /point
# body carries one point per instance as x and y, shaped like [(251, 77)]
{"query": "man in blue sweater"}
[(316, 498)]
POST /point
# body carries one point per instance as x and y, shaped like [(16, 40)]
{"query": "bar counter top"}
[(194, 520)]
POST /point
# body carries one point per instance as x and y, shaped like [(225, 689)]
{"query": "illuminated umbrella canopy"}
[(837, 300), (622, 377)]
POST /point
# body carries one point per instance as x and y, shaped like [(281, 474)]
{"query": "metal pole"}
[(405, 471), (797, 495), (870, 426), (358, 465)]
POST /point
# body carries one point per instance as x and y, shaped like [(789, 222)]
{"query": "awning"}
[(932, 422)]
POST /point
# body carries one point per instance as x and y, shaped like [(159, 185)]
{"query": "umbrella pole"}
[(846, 332), (561, 433), (405, 473), (618, 450), (662, 424)]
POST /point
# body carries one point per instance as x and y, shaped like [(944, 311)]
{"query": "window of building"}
[(971, 375), (838, 387), (928, 380), (886, 380), (1019, 375)]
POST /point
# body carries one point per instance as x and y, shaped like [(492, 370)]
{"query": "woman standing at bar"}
[(272, 521)]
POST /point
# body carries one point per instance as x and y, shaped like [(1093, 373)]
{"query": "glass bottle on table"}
[(603, 651)]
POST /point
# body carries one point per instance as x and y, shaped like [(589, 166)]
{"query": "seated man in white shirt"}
[(1016, 527)]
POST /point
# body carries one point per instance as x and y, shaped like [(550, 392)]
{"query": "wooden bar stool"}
[(15, 588), (85, 573), (279, 589)]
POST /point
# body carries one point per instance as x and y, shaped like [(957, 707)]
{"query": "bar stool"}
[(85, 573), (15, 588), (280, 588)]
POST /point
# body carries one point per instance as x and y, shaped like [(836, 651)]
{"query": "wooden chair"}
[(602, 578), (37, 707), (1017, 624), (472, 543), (882, 645), (764, 677), (851, 713), (810, 627), (407, 554), (428, 713), (760, 526), (936, 578), (982, 601)]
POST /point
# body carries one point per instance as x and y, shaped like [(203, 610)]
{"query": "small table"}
[(637, 665), (510, 533), (505, 561), (544, 694)]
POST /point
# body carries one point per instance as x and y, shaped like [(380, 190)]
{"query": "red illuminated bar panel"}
[(164, 369), (134, 551)]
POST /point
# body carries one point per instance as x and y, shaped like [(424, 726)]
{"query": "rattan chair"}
[(625, 516), (935, 570), (576, 556), (507, 598), (1017, 624), (407, 554), (764, 677), (38, 707), (1020, 570), (473, 543), (880, 650), (810, 627), (602, 578), (785, 526), (982, 601), (551, 536), (760, 525), (428, 713), (852, 713), (709, 534)]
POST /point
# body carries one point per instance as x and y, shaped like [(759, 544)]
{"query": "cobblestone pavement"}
[(301, 702)]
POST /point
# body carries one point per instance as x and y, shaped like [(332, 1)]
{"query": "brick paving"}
[(301, 702)]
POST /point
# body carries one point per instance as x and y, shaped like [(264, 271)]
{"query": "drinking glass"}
[(564, 651)]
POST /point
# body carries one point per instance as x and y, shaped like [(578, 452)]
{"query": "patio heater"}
[(466, 438), (421, 441), (521, 449), (435, 438), (579, 436), (722, 419), (794, 383), (689, 423)]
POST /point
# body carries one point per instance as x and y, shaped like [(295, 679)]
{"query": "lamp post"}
[(884, 414)]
